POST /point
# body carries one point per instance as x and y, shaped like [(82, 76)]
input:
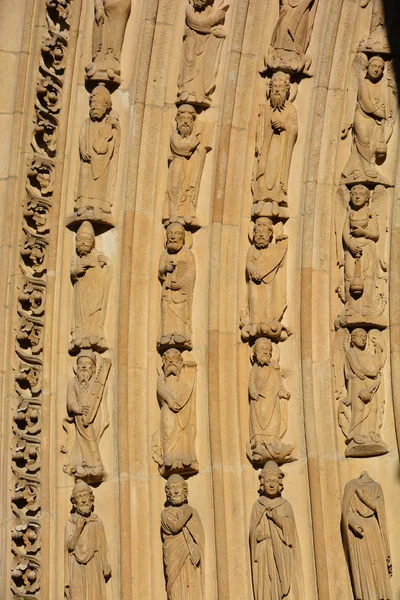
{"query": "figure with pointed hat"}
[(274, 544), (87, 566), (91, 277)]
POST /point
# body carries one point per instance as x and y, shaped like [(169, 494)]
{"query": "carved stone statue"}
[(91, 278), (185, 168), (372, 124), (366, 540), (276, 136), (110, 19), (377, 40), (87, 566), (88, 413), (268, 407), (266, 282), (174, 444), (98, 147), (274, 544), (361, 405), (291, 37), (183, 544), (177, 272), (202, 45)]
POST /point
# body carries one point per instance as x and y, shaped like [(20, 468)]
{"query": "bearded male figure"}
[(276, 564), (266, 281), (183, 544), (91, 278), (202, 44), (110, 19), (276, 136), (177, 272), (185, 168), (89, 415), (268, 407), (99, 141), (176, 397), (87, 566)]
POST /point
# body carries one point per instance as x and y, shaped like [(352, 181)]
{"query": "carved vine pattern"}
[(27, 417)]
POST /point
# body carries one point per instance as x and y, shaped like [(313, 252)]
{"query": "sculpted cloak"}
[(84, 565), (367, 554), (184, 580), (275, 552), (267, 416)]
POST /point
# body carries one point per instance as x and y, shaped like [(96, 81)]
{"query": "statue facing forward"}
[(110, 19), (274, 544), (202, 43), (183, 544), (174, 443), (268, 407), (177, 272), (87, 566)]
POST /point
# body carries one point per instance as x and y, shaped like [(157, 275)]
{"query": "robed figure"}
[(274, 545), (183, 544), (87, 567), (366, 540)]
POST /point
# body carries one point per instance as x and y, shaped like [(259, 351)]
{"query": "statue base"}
[(173, 340), (359, 320), (189, 223), (178, 467), (259, 453), (100, 220), (274, 330), (270, 209), (367, 448)]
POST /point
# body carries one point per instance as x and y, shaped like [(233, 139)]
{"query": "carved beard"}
[(84, 511), (185, 130), (177, 501), (84, 377), (172, 369), (260, 241), (97, 114), (278, 100), (263, 360), (83, 250), (174, 247)]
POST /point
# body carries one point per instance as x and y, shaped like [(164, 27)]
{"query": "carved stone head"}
[(359, 196), (176, 490), (358, 338), (172, 362), (262, 351), (175, 238), (376, 66), (185, 119), (85, 365), (271, 480), (100, 103), (200, 5), (82, 499), (263, 232), (85, 239), (279, 89)]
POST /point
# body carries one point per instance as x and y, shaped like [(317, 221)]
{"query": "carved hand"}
[(107, 571), (195, 555), (85, 410), (169, 265), (102, 260), (86, 157), (277, 124), (284, 394), (219, 15), (357, 529), (257, 275), (80, 522), (381, 112), (99, 15), (67, 592), (175, 285), (359, 232), (365, 396)]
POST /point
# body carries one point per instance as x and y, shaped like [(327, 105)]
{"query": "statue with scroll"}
[(87, 412), (275, 139), (359, 389), (377, 39), (183, 544), (87, 567), (268, 408), (174, 443), (360, 254), (366, 540), (177, 272), (373, 120), (91, 278), (202, 45), (98, 147), (110, 19), (276, 565), (266, 275), (291, 37), (186, 165)]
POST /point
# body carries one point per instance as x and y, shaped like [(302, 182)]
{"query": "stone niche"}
[(199, 300)]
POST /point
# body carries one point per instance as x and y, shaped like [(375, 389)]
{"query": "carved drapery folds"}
[(202, 45), (274, 544), (27, 419), (183, 543), (365, 538), (87, 564)]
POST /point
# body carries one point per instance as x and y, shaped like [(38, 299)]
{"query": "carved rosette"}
[(35, 229)]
